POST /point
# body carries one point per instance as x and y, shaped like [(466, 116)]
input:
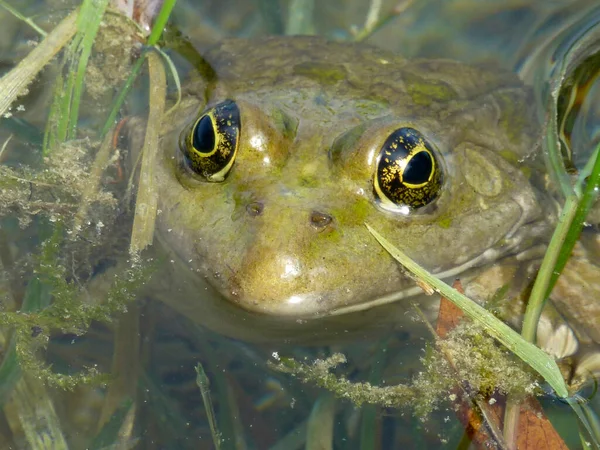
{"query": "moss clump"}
[(54, 192), (467, 357)]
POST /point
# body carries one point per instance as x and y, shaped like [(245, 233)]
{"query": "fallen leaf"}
[(449, 315)]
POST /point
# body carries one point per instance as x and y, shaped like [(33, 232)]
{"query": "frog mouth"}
[(507, 248)]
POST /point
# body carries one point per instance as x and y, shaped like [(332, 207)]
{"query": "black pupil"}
[(418, 169), (204, 136)]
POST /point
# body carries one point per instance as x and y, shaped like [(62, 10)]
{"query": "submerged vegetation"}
[(464, 356), (60, 193), (54, 304)]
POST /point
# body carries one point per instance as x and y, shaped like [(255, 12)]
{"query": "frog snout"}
[(285, 264), (318, 219)]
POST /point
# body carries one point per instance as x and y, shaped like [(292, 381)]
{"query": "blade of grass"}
[(88, 23), (161, 21), (561, 245), (30, 398), (10, 373), (587, 419), (14, 82), (377, 21), (20, 16), (300, 17), (37, 415), (37, 296), (112, 116), (588, 198), (147, 197), (537, 359)]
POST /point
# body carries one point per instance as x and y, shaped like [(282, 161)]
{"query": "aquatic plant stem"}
[(537, 299), (561, 245), (204, 385), (20, 16), (110, 121), (589, 196), (147, 198), (161, 21), (511, 422)]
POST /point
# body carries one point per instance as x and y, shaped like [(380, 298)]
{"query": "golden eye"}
[(211, 144), (407, 172)]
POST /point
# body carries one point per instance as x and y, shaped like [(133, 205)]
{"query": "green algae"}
[(325, 74), (424, 92), (463, 358), (53, 303)]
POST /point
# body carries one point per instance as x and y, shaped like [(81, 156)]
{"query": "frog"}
[(284, 148)]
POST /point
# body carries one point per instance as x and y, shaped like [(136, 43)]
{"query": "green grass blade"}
[(584, 413), (90, 17), (537, 359), (538, 296), (161, 21), (133, 74), (561, 245), (588, 198), (20, 16)]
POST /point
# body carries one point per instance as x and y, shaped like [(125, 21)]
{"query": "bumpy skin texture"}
[(284, 234)]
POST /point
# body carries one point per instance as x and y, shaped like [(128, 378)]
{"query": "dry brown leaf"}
[(449, 315), (535, 430)]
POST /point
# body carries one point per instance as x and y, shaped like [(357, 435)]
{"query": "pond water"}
[(67, 210)]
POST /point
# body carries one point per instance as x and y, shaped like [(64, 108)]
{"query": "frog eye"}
[(211, 144), (407, 173)]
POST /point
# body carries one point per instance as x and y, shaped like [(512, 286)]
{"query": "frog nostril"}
[(255, 209), (320, 220)]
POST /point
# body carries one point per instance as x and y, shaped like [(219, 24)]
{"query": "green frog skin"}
[(270, 167)]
